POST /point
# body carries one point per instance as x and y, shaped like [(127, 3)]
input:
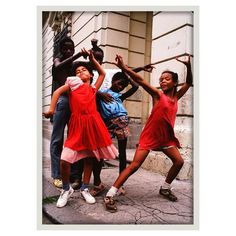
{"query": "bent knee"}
[(179, 162)]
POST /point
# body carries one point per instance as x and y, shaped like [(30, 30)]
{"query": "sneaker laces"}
[(86, 190), (86, 193), (87, 196), (64, 193)]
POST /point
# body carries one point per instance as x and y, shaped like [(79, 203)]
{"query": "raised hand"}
[(189, 77), (185, 62), (148, 68), (120, 62), (86, 53)]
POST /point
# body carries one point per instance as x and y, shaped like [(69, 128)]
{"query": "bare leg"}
[(97, 168), (88, 167), (139, 158), (176, 158), (77, 171), (65, 171), (122, 154)]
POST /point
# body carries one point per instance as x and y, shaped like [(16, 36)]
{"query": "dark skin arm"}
[(106, 97), (60, 64), (189, 78), (147, 68), (55, 97), (131, 91), (134, 88), (153, 91)]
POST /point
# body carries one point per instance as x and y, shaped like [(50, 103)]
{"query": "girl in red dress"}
[(88, 136), (158, 133)]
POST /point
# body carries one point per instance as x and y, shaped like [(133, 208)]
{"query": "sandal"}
[(96, 190), (110, 204)]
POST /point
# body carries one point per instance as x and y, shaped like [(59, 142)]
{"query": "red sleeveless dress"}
[(87, 134), (159, 129)]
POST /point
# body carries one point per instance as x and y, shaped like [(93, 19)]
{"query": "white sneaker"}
[(65, 195), (87, 196)]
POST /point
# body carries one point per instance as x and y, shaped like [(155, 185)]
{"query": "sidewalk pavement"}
[(140, 205)]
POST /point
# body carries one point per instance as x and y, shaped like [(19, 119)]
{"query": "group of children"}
[(95, 116)]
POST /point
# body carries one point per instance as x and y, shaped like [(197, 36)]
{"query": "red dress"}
[(87, 134), (159, 129)]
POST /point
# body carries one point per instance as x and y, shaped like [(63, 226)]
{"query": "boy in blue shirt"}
[(115, 115)]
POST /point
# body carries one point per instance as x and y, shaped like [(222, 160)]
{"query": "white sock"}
[(165, 185), (112, 192)]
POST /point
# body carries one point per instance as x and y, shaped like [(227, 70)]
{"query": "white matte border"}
[(195, 225)]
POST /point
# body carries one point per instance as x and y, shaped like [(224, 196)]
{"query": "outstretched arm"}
[(147, 68), (59, 64), (54, 100), (154, 92), (101, 72), (189, 78), (134, 88)]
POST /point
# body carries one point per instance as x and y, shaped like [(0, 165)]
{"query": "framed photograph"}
[(158, 41)]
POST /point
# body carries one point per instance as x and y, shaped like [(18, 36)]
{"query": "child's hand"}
[(48, 114), (106, 97), (185, 62), (148, 68), (120, 62), (86, 53)]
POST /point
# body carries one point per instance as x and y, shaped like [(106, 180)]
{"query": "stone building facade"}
[(141, 38)]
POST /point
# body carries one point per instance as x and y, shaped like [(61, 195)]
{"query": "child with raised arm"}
[(158, 133), (87, 134)]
